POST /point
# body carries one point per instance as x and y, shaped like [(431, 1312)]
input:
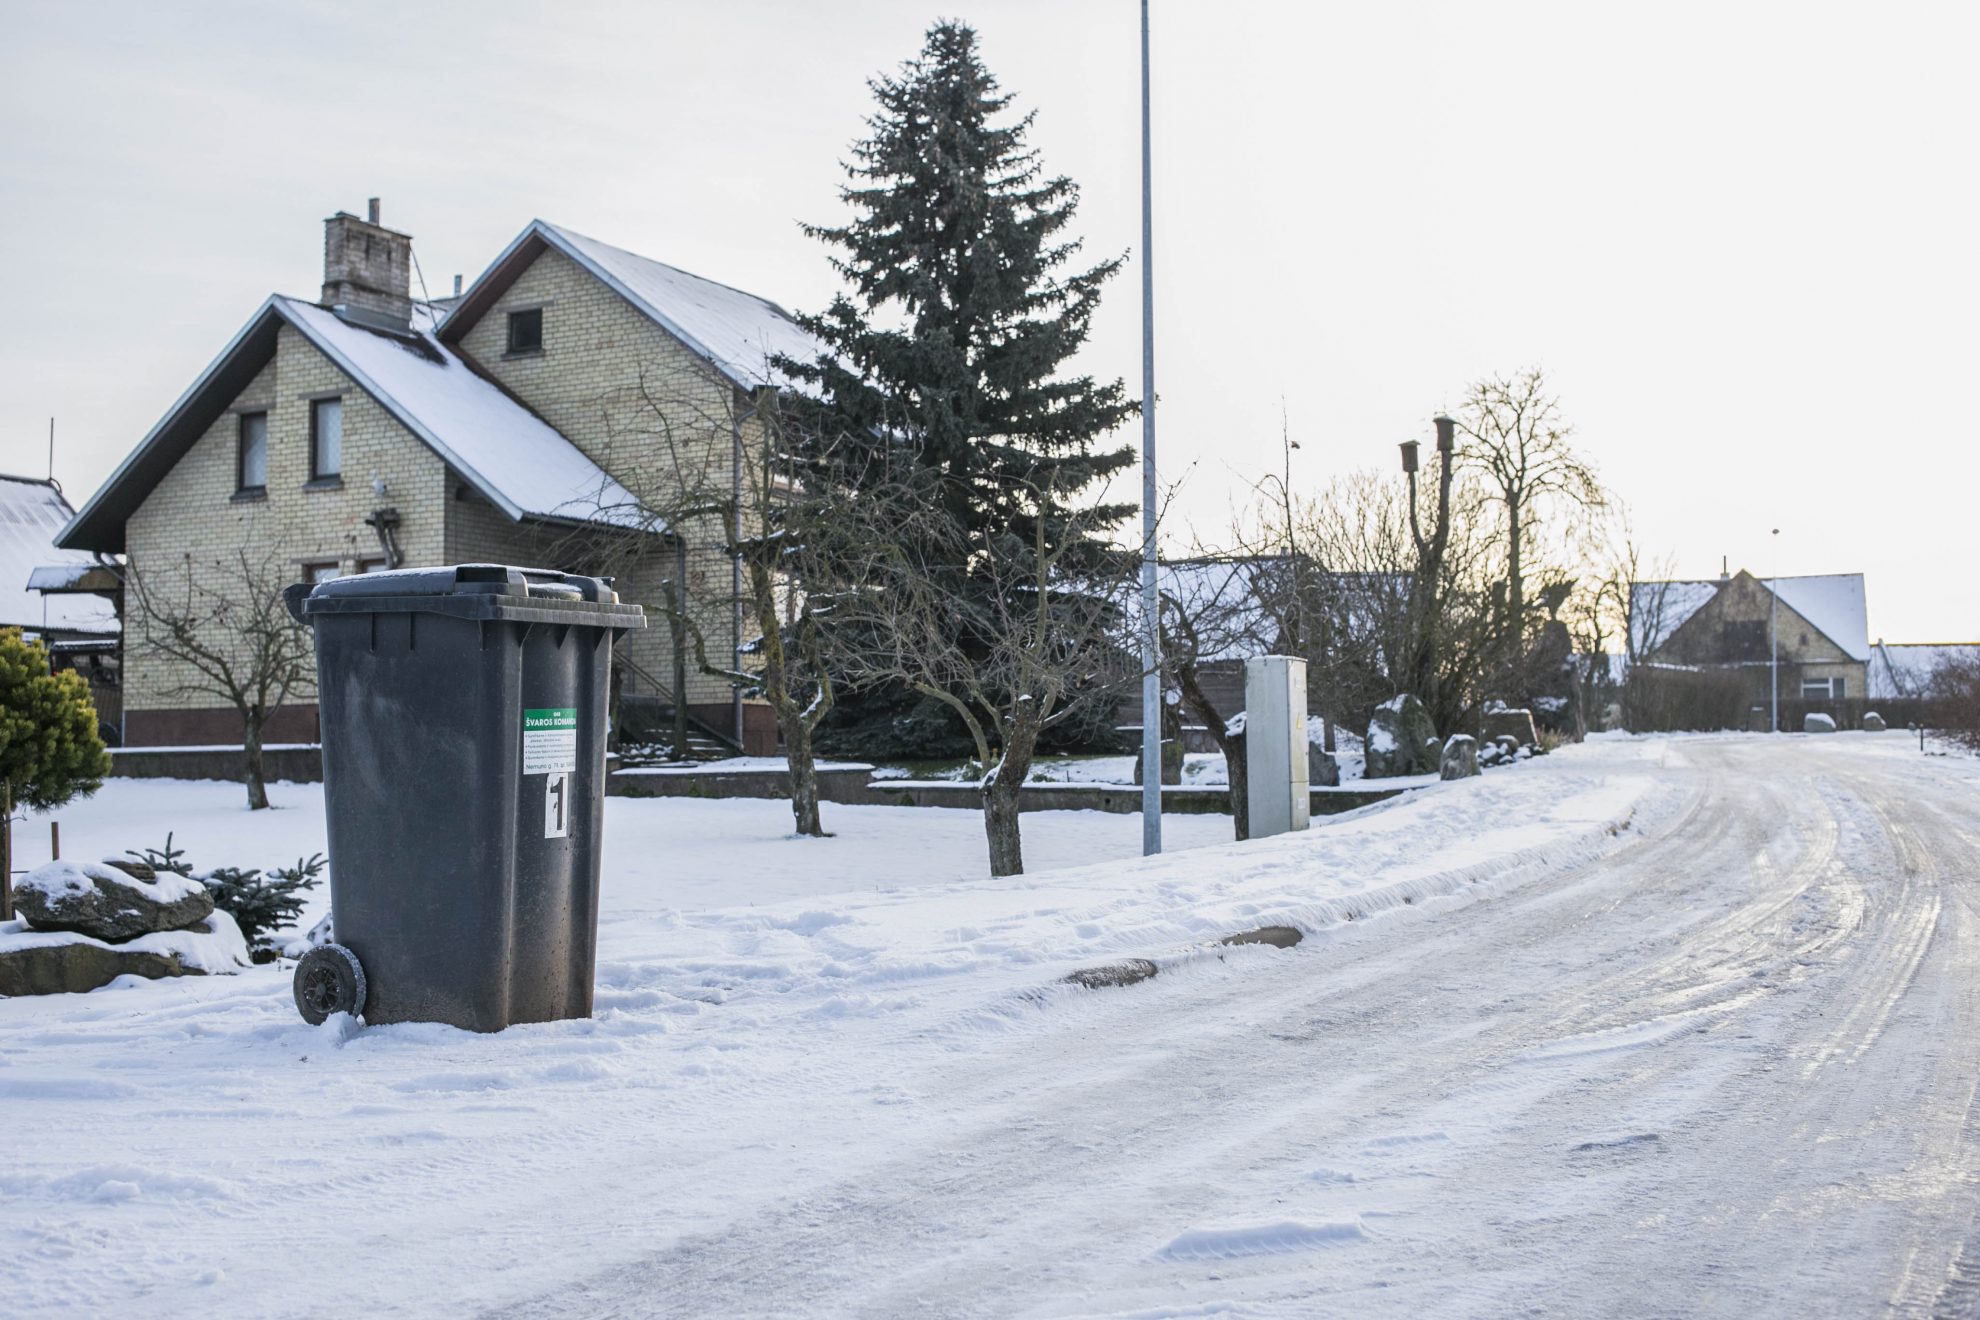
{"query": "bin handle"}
[(293, 596), (579, 580)]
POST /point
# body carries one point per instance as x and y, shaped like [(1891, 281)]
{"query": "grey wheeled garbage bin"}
[(463, 720)]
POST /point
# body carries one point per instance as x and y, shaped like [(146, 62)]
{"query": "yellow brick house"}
[(531, 418)]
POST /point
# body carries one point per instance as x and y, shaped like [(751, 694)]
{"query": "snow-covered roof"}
[(519, 461), (1833, 602), (31, 513), (1658, 609), (1223, 597), (1904, 669), (737, 332)]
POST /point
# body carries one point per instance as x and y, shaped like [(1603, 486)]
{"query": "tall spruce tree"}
[(944, 375)]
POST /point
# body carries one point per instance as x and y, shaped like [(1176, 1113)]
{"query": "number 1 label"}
[(557, 806)]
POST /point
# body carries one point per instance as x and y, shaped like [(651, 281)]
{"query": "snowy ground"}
[(1645, 1027)]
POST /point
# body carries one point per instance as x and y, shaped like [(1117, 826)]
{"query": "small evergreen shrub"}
[(259, 905)]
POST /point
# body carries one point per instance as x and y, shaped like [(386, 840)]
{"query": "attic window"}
[(326, 439), (526, 331), (251, 471)]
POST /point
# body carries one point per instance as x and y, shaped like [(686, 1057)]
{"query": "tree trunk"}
[(1000, 821), (804, 769), (791, 721), (1000, 798), (6, 853), (257, 788), (1515, 587), (1230, 744), (677, 629), (1238, 775)]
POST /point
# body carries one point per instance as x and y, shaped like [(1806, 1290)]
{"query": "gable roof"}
[(1658, 609), (736, 332), (511, 456), (1832, 602), (31, 513)]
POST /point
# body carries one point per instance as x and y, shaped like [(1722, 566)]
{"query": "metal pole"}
[(1773, 636), (1151, 646)]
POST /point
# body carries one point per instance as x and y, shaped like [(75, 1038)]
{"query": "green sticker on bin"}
[(550, 740)]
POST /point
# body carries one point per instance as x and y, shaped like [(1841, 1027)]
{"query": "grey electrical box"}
[(1276, 792)]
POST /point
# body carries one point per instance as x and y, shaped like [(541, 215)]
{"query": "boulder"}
[(73, 967), (1322, 770), (108, 902), (1873, 722), (1510, 744), (1816, 722), (1401, 740), (1508, 722), (53, 962), (1460, 759)]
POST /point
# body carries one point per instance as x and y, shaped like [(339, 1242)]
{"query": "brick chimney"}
[(367, 271)]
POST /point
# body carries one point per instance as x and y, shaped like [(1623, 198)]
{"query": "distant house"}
[(1903, 670), (368, 429), (1816, 628), (37, 579), (66, 598)]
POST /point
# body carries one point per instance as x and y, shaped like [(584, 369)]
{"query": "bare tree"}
[(708, 468), (1618, 604), (1040, 633), (1365, 599), (1213, 609), (225, 633), (1517, 442)]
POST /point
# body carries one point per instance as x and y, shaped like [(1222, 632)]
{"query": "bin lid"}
[(474, 591)]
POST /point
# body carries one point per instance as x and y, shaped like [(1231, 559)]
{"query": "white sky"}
[(1739, 237)]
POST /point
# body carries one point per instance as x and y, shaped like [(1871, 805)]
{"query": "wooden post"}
[(54, 840)]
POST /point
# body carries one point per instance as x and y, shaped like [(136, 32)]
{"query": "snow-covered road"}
[(1663, 1027), (1727, 1070)]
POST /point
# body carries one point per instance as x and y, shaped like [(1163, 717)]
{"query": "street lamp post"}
[(1151, 639)]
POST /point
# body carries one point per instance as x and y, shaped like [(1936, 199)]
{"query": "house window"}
[(526, 331), (322, 571), (1820, 689), (251, 471), (1743, 639), (372, 565), (326, 439)]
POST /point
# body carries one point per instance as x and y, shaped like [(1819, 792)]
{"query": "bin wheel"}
[(329, 980)]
